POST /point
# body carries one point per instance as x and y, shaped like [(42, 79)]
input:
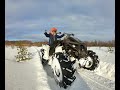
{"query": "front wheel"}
[(63, 70)]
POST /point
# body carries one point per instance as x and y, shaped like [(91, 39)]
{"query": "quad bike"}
[(66, 56)]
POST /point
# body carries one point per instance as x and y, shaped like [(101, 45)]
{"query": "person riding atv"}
[(65, 56), (53, 36)]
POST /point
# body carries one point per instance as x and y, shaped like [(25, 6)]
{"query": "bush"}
[(23, 54), (110, 49)]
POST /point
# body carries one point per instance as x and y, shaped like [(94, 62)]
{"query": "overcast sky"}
[(87, 19)]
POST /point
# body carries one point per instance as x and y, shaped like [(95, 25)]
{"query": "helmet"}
[(53, 29)]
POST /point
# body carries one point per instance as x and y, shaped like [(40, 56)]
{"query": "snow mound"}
[(106, 70), (106, 66)]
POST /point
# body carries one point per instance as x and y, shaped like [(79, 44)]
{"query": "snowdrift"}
[(106, 67), (106, 70)]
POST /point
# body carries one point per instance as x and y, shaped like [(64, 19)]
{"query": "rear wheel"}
[(63, 70), (92, 60)]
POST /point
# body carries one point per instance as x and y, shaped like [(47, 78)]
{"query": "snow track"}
[(100, 83)]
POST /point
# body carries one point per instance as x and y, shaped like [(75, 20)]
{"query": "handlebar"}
[(69, 34), (58, 32)]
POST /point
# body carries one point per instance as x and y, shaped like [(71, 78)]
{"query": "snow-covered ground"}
[(31, 75)]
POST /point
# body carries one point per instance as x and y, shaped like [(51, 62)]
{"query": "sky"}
[(88, 19)]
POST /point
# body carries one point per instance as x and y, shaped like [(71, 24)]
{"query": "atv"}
[(66, 56)]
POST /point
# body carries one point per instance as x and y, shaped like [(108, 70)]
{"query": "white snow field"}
[(31, 75)]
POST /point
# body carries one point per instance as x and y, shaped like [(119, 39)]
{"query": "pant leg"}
[(51, 51), (52, 47)]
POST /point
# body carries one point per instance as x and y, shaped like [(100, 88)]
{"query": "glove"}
[(45, 32)]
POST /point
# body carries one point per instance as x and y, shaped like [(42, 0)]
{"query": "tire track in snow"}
[(96, 82), (90, 80)]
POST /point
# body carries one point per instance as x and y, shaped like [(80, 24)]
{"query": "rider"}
[(53, 35), (52, 38)]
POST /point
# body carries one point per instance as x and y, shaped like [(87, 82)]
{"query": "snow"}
[(31, 75), (107, 62)]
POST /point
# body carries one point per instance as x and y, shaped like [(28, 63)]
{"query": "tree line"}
[(88, 43)]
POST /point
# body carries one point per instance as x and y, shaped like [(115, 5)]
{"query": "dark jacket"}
[(53, 38)]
